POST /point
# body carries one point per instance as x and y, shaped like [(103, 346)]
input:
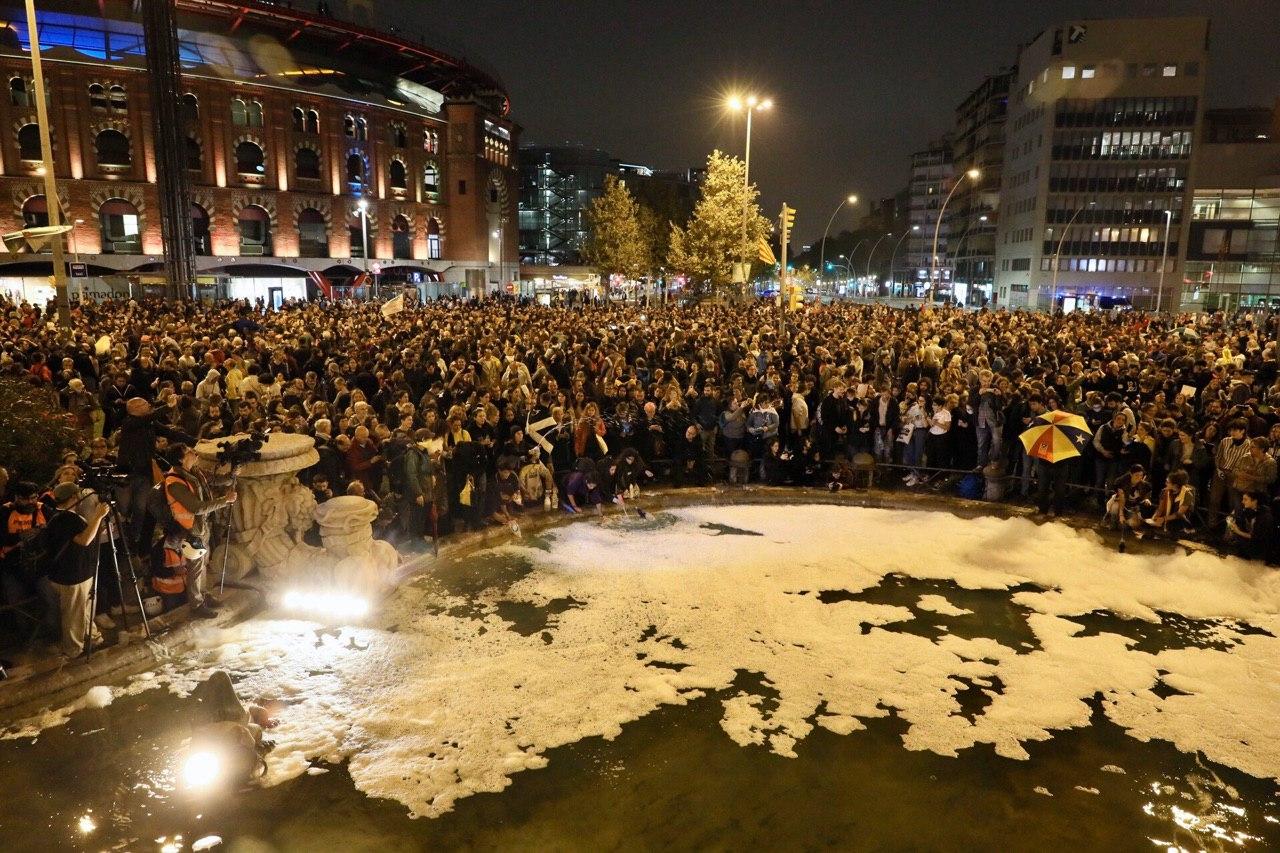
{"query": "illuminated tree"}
[(617, 245)]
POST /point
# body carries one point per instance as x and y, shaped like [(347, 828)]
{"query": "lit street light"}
[(822, 255), (982, 218), (1057, 255), (873, 251), (750, 104), (973, 175), (894, 253), (1164, 258)]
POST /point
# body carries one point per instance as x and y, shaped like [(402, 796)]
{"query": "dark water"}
[(673, 780)]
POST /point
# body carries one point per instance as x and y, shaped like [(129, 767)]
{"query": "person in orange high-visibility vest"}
[(189, 495), (20, 519)]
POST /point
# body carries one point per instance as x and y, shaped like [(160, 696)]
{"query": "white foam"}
[(450, 705), (939, 604)]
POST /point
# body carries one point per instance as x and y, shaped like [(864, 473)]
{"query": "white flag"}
[(393, 306), (103, 345)]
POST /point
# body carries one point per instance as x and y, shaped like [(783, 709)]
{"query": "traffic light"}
[(788, 220)]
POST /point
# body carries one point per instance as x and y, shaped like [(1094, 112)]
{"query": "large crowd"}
[(455, 415)]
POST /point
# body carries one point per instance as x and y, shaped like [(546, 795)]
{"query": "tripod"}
[(226, 534), (116, 527)]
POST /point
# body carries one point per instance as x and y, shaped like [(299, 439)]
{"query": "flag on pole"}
[(393, 306), (102, 346), (766, 252)]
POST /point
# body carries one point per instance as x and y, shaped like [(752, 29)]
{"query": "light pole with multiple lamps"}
[(1164, 258), (971, 174), (750, 104), (1057, 255), (822, 255)]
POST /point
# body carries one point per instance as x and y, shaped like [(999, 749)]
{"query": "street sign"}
[(79, 270)]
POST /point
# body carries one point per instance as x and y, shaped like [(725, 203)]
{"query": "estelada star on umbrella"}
[(1055, 436)]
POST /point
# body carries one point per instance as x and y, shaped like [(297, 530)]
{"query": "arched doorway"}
[(313, 236), (401, 238), (121, 232), (200, 230), (255, 231), (35, 212)]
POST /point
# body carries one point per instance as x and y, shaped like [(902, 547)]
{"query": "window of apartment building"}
[(433, 239), (1191, 69), (190, 108), (362, 129), (313, 236), (1068, 72), (1169, 70), (349, 126), (112, 148), (19, 94), (1088, 72), (431, 178), (306, 164), (200, 230), (255, 231), (98, 97), (401, 238), (250, 159), (239, 113), (118, 99), (355, 170), (299, 120), (255, 114), (399, 179), (119, 224), (399, 136), (1020, 265), (29, 143), (1149, 69), (313, 122)]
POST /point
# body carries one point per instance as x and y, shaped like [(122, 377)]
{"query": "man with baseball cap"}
[(71, 562)]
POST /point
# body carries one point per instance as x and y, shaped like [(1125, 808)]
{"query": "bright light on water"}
[(201, 770)]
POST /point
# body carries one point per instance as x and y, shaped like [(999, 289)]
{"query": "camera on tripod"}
[(242, 451), (104, 479)]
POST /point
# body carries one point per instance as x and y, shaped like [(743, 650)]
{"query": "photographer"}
[(188, 494), (137, 450), (70, 562)]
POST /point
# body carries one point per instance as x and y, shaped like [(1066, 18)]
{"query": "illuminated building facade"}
[(306, 137)]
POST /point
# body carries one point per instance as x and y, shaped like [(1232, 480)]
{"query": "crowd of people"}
[(455, 415)]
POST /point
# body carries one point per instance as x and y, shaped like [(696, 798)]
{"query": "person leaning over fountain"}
[(188, 495)]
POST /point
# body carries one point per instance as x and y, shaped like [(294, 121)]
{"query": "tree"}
[(34, 431), (617, 244), (717, 237)]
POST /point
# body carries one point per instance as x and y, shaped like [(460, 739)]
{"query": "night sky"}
[(857, 85)]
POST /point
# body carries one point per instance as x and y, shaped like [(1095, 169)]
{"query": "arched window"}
[(35, 212), (313, 121), (200, 230), (255, 231), (399, 138), (119, 100), (299, 120), (255, 114), (306, 164), (430, 141), (118, 221), (362, 129), (355, 170), (433, 239), (239, 113), (355, 235), (249, 159), (190, 108), (29, 142), (349, 126), (401, 239), (112, 148), (313, 237), (399, 180), (97, 96), (431, 177), (195, 155), (18, 94)]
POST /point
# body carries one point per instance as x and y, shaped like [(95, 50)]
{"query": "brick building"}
[(291, 121)]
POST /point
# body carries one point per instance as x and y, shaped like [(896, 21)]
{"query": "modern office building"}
[(1232, 256), (559, 182), (972, 216), (931, 171), (1102, 126), (291, 119)]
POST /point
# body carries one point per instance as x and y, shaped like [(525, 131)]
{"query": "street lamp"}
[(750, 104), (851, 199), (982, 218), (873, 251), (973, 175), (1164, 257), (1057, 255), (894, 253), (363, 206)]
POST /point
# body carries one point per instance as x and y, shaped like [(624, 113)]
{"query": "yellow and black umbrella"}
[(1055, 436)]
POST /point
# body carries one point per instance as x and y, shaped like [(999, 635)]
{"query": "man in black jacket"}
[(137, 449)]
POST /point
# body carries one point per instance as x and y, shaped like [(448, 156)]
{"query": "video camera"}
[(241, 451), (105, 479)]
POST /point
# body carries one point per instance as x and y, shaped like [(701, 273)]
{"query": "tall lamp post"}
[(50, 181), (1057, 255), (363, 206), (1164, 258), (750, 104), (822, 255), (894, 253), (971, 174), (982, 218), (873, 251)]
